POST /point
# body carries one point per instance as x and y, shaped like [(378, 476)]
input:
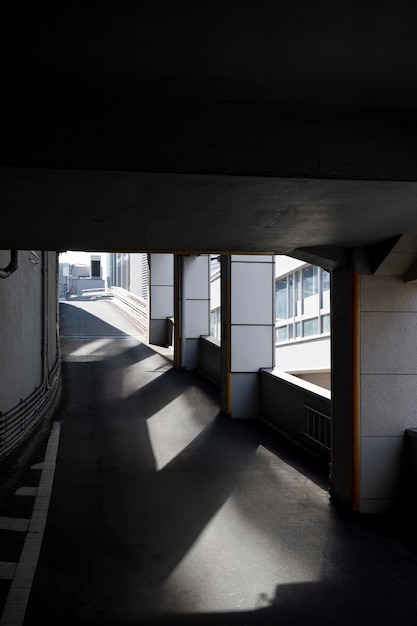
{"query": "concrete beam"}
[(72, 127)]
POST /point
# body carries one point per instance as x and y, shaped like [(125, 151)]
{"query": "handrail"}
[(132, 304)]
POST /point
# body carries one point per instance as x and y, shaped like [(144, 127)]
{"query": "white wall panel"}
[(162, 269), (162, 301), (197, 318), (252, 348), (252, 293)]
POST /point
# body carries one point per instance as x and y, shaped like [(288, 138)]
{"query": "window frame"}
[(295, 324)]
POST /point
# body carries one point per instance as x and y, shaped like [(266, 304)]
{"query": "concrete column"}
[(374, 380), (248, 326), (161, 297), (194, 309), (341, 473), (388, 382)]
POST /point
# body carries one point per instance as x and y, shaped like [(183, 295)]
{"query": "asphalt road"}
[(145, 505)]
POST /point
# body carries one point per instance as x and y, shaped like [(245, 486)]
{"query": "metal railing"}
[(318, 427), (133, 305)]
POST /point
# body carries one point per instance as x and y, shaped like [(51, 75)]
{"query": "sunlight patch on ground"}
[(171, 430), (95, 347), (138, 375), (234, 550)]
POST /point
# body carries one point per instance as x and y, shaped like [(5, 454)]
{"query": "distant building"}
[(75, 278), (302, 320), (215, 310), (129, 271)]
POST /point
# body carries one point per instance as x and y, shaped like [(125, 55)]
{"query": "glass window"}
[(298, 294), (291, 295), (281, 334), (311, 327), (325, 289), (302, 300), (215, 323), (325, 323), (281, 299), (310, 290)]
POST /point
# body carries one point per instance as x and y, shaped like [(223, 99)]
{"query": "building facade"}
[(302, 320)]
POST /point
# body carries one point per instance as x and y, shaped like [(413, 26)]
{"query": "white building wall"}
[(303, 356), (285, 264), (139, 274), (309, 358)]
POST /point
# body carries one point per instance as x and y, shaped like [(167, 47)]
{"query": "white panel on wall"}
[(162, 301), (197, 318), (197, 277), (251, 258), (162, 269), (252, 348), (252, 293)]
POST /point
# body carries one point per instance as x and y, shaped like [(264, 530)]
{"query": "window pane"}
[(291, 295), (290, 331), (325, 323), (215, 321), (281, 334), (281, 299), (310, 290), (311, 327), (325, 289), (298, 329), (298, 295)]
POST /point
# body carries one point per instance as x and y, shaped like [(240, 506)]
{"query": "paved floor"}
[(164, 511)]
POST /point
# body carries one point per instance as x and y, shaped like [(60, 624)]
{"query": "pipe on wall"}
[(5, 272)]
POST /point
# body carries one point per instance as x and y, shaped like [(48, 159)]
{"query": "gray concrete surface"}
[(164, 511)]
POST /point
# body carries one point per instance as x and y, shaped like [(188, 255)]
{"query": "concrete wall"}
[(209, 362), (28, 339), (388, 375), (388, 380), (21, 330), (284, 406)]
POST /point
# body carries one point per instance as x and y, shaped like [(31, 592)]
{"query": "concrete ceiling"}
[(219, 126)]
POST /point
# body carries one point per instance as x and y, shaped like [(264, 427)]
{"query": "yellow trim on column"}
[(356, 396)]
